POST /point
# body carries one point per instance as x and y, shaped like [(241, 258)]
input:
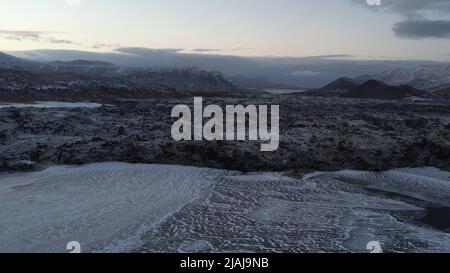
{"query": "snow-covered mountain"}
[(11, 62), (79, 67), (192, 80), (19, 85), (97, 79), (424, 77)]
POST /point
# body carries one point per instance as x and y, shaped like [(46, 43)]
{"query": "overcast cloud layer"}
[(308, 72), (423, 29), (44, 36), (423, 18)]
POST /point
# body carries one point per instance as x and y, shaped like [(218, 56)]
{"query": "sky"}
[(396, 30)]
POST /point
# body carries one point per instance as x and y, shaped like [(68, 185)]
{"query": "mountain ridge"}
[(374, 89), (424, 77), (371, 89), (104, 75)]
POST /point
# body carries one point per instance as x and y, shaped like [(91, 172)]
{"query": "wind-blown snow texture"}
[(103, 206), (115, 207)]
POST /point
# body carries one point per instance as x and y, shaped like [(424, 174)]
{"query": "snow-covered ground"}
[(116, 207), (51, 104), (103, 206)]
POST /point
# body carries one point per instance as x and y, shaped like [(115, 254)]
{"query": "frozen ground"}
[(103, 206), (115, 207), (325, 134)]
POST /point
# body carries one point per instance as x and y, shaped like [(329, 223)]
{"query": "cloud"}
[(307, 73), (54, 40), (241, 48), (417, 8), (410, 8), (14, 38), (103, 45), (331, 56), (72, 3), (142, 51), (423, 29), (202, 50), (20, 35), (421, 17), (34, 36), (206, 50)]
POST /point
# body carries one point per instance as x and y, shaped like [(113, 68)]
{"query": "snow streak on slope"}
[(103, 206)]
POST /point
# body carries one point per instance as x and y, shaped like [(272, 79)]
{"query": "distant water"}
[(284, 91), (51, 104)]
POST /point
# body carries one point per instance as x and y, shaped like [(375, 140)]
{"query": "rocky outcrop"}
[(316, 134), (94, 80), (371, 89)]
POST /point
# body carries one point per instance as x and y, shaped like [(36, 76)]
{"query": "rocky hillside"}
[(319, 134), (21, 79), (334, 89), (191, 80), (11, 62), (442, 92), (372, 89), (423, 77), (18, 85)]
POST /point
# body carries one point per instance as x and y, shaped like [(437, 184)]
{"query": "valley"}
[(87, 155)]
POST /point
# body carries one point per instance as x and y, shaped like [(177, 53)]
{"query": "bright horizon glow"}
[(294, 28)]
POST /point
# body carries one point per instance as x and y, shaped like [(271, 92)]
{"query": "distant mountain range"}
[(374, 89), (259, 83), (423, 77), (20, 85), (427, 81), (11, 62), (24, 80), (96, 80), (306, 72), (371, 89)]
